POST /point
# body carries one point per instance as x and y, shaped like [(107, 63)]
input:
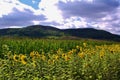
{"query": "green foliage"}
[(39, 31), (35, 59), (25, 46)]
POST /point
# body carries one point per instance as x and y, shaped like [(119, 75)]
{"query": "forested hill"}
[(40, 31)]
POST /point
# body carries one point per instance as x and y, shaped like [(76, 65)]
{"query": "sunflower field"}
[(35, 59)]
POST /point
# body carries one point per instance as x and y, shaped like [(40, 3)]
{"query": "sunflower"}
[(37, 54), (23, 59), (32, 54), (56, 57), (77, 47), (102, 54), (66, 57), (84, 44), (81, 55), (63, 55), (16, 58), (43, 57)]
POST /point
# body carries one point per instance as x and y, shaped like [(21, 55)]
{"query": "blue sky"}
[(63, 14), (32, 3)]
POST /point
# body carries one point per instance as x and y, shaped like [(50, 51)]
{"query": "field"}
[(43, 59)]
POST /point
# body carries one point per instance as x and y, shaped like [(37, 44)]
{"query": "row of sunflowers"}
[(84, 62)]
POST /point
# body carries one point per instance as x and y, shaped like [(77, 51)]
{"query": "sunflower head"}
[(81, 55), (23, 59), (32, 54), (16, 58), (43, 57)]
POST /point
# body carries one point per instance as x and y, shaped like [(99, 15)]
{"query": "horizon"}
[(57, 28), (62, 14)]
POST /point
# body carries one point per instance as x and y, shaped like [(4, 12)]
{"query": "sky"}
[(63, 14)]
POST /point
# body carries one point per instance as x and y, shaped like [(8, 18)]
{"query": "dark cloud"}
[(115, 30), (102, 14), (95, 9), (20, 18)]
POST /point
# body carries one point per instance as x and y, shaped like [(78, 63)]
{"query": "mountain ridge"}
[(40, 31)]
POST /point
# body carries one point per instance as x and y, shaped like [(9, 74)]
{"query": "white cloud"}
[(50, 10), (15, 27), (6, 7), (36, 22), (73, 22), (13, 13)]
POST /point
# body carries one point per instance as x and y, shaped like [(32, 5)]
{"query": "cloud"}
[(83, 8), (50, 10), (19, 14), (18, 18), (54, 15), (5, 8), (100, 14)]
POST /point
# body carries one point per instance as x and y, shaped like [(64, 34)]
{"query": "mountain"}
[(40, 31), (92, 34), (35, 31)]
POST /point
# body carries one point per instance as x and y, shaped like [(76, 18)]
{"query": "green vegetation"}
[(44, 59), (25, 45), (39, 31)]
